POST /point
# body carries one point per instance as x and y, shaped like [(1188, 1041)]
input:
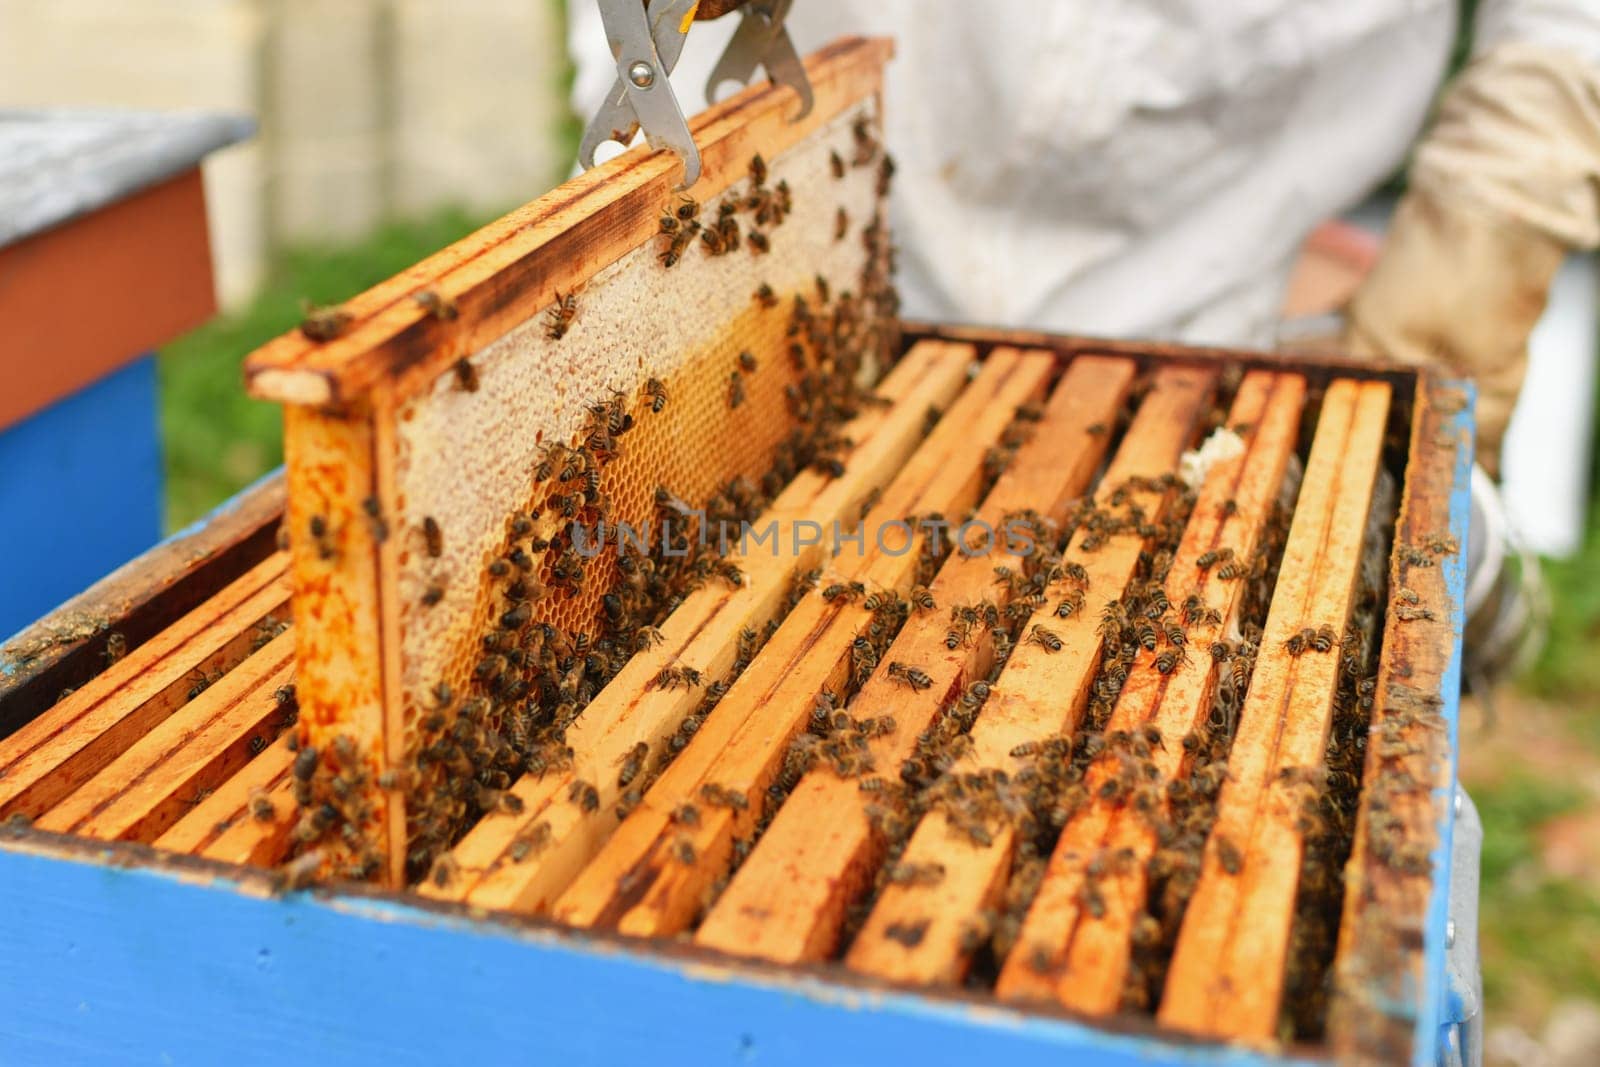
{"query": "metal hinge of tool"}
[(646, 41)]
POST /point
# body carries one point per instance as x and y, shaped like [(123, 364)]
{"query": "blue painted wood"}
[(151, 965), (80, 491), (1437, 1010)]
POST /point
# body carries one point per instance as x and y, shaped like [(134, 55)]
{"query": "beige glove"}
[(1505, 183)]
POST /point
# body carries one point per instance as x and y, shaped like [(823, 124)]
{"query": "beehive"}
[(1028, 811)]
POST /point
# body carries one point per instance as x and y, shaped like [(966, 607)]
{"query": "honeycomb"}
[(467, 458)]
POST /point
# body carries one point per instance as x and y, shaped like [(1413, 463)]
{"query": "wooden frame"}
[(373, 411)]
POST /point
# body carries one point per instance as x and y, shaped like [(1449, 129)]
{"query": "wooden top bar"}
[(640, 881), (177, 763), (1227, 971), (789, 900), (1087, 957), (229, 804), (65, 747), (506, 272)]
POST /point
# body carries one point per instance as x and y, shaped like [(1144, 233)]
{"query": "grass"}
[(1533, 925), (1568, 670), (217, 440)]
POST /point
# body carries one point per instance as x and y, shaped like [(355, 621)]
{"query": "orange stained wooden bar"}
[(643, 880), (73, 741), (789, 900), (180, 761), (1227, 972), (226, 826), (704, 632), (1064, 951)]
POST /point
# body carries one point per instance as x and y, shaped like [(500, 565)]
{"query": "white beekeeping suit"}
[(1150, 167)]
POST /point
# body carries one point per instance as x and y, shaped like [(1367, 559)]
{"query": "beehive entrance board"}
[(1013, 805)]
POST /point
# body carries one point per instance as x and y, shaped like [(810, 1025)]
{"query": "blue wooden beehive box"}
[(378, 765)]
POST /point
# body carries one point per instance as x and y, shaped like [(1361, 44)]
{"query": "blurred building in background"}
[(369, 109)]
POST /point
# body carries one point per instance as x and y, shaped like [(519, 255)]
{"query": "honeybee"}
[(846, 592), (657, 392), (766, 297), (1441, 544), (1144, 633), (687, 208), (915, 874), (318, 526), (911, 676), (262, 809), (586, 796), (882, 600), (922, 599), (683, 851), (836, 164), (559, 318), (675, 677), (440, 307), (841, 224), (863, 658), (722, 797), (305, 764), (433, 536), (632, 763), (679, 241), (1045, 638), (686, 815), (1229, 856), (1168, 660), (959, 634), (466, 375), (324, 323), (715, 239), (758, 170), (747, 362), (432, 595), (758, 242), (735, 389)]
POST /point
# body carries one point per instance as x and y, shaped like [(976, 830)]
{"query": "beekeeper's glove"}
[(1506, 182)]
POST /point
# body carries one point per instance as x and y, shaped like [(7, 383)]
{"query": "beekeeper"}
[(1149, 169)]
